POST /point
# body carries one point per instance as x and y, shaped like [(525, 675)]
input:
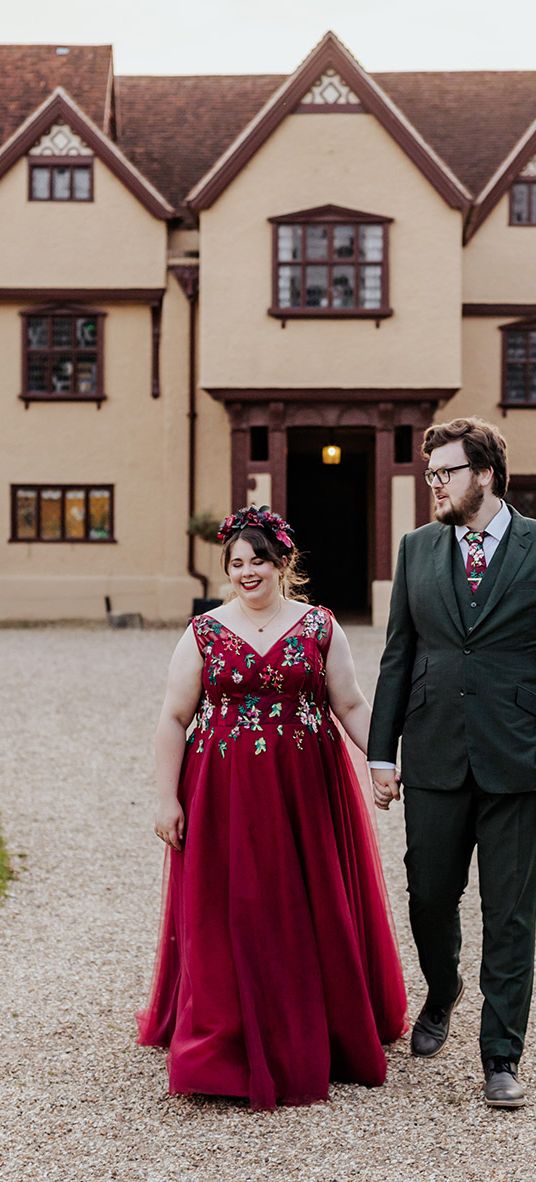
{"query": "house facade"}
[(212, 288)]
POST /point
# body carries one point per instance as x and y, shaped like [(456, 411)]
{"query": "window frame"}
[(520, 484), (74, 312), (331, 216), (70, 162), (63, 489), (523, 327), (522, 180)]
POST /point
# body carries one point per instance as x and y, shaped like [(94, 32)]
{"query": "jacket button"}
[(467, 651), (462, 695), (473, 604)]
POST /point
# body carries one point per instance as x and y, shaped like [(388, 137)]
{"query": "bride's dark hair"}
[(267, 547)]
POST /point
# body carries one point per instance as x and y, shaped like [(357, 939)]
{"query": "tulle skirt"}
[(277, 967)]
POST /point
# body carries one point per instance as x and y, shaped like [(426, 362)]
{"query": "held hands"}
[(386, 785), (169, 823)]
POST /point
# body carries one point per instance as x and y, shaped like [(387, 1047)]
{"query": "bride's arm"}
[(347, 701), (180, 703)]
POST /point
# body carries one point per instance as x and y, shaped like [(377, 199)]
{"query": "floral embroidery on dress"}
[(294, 653), (271, 678), (204, 625), (204, 713), (309, 713), (249, 713), (287, 692), (298, 737), (232, 642), (215, 667), (315, 624)]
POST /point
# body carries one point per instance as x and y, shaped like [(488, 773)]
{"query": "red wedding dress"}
[(277, 968)]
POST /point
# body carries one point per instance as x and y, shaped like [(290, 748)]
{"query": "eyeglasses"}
[(442, 474)]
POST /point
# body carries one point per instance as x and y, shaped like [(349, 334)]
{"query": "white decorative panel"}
[(60, 141), (330, 91), (529, 169)]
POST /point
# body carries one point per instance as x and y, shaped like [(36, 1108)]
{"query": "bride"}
[(277, 968)]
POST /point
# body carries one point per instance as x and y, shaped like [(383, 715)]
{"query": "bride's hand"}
[(169, 823)]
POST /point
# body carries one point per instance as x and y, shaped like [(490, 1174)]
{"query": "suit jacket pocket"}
[(417, 698), (419, 669), (526, 699)]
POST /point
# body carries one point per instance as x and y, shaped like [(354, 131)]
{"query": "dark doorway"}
[(330, 507)]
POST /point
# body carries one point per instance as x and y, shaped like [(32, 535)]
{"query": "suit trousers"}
[(442, 830)]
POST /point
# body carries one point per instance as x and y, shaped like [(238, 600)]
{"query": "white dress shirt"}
[(495, 530)]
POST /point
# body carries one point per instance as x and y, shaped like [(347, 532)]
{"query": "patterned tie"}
[(476, 559)]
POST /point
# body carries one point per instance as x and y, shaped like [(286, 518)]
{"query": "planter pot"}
[(199, 606)]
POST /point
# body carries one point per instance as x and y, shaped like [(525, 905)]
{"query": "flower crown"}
[(262, 518)]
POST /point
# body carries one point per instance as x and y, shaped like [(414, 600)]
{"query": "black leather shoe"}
[(502, 1088), (431, 1029)]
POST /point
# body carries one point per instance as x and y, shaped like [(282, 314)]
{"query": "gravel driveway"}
[(79, 1101)]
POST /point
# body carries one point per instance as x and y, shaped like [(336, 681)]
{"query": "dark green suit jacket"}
[(460, 698)]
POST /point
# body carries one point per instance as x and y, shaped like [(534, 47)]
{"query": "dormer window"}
[(330, 262), (60, 167), (523, 196), (61, 181)]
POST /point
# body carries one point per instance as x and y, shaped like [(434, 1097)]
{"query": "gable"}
[(60, 122), (330, 80)]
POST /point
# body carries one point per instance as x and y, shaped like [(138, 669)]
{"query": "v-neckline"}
[(252, 646)]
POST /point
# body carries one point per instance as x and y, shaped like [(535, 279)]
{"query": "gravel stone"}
[(79, 1100)]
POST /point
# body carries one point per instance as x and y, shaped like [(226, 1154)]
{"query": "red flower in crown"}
[(263, 518)]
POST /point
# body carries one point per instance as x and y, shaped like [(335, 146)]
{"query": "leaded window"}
[(334, 265), (523, 203), (62, 354), (62, 513), (519, 367), (63, 180)]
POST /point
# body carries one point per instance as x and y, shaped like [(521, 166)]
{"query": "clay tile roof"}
[(174, 129), (472, 118), (29, 73)]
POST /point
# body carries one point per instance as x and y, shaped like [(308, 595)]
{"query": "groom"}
[(458, 682)]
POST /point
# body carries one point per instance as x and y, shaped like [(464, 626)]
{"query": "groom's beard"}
[(466, 508)]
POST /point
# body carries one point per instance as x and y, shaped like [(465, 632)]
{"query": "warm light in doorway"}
[(331, 454)]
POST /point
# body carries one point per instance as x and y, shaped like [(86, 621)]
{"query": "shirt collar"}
[(496, 527)]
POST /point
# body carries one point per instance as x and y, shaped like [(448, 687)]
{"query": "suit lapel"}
[(517, 547), (444, 573)]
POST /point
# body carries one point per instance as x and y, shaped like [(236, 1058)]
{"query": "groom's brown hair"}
[(483, 445)]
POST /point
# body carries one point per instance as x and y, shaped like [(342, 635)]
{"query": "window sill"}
[(63, 541), (517, 405), (36, 396), (330, 313)]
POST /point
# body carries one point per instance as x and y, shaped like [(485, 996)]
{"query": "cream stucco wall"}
[(350, 161), (481, 393), (112, 241), (137, 443), (499, 261)]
